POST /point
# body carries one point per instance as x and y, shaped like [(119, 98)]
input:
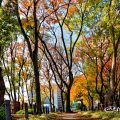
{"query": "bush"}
[(30, 111), (78, 106), (21, 112), (2, 113)]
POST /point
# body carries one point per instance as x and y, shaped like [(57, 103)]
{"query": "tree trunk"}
[(68, 100), (92, 107), (22, 90), (31, 93), (37, 85), (50, 99), (2, 88), (114, 62), (1, 2), (33, 53), (101, 100), (53, 100), (113, 74)]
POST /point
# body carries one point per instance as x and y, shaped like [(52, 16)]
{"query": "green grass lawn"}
[(109, 115)]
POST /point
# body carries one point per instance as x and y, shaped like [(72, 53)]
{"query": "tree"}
[(2, 88), (61, 22), (9, 61), (5, 35), (0, 2), (33, 48), (103, 23), (48, 69), (115, 39)]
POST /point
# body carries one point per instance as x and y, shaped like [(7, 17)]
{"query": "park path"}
[(74, 116)]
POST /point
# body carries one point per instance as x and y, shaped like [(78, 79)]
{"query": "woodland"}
[(71, 44)]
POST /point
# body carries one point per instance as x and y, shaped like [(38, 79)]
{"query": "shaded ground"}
[(17, 116), (61, 116), (85, 115), (74, 116)]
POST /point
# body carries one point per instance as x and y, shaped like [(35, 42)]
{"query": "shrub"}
[(2, 113), (30, 111), (21, 112), (78, 106)]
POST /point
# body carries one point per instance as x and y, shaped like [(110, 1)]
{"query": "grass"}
[(96, 114), (103, 115), (50, 116), (30, 111)]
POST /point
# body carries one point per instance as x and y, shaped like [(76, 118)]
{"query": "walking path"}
[(62, 116), (74, 116)]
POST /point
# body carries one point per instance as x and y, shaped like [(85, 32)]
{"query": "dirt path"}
[(74, 116)]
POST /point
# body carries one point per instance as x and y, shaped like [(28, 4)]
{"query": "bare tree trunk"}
[(68, 100), (53, 106), (69, 88), (62, 99), (32, 93), (114, 62), (33, 53), (0, 2), (8, 77), (50, 91), (37, 89), (22, 94), (2, 88)]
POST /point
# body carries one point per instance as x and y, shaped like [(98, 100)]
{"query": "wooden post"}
[(26, 110), (7, 110)]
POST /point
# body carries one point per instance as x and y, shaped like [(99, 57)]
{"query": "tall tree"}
[(2, 88), (104, 18), (0, 2), (2, 91), (6, 27), (33, 48), (74, 28)]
